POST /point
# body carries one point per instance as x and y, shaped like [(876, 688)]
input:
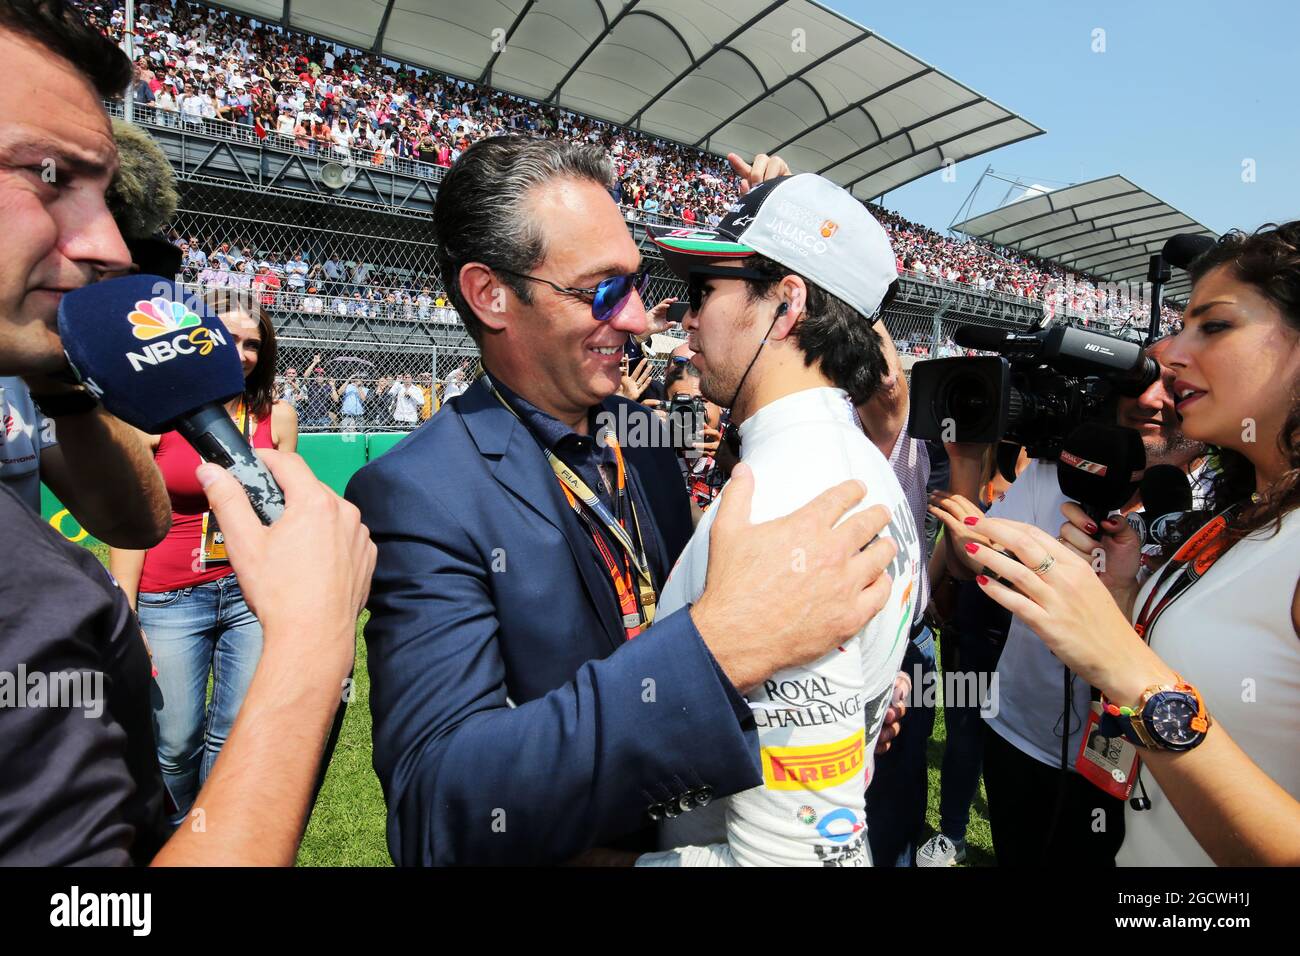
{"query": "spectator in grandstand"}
[(291, 393), (322, 396), (312, 302), (454, 384), (449, 658), (266, 283), (239, 276), (405, 401), (296, 274), (352, 403), (189, 602)]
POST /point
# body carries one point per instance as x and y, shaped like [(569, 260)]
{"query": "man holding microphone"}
[(83, 786)]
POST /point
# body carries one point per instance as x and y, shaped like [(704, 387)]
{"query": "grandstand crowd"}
[(233, 75)]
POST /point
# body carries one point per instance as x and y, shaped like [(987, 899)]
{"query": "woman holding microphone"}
[(1199, 667)]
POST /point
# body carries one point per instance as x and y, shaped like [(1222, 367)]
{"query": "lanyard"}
[(1189, 563), (243, 418), (636, 598)]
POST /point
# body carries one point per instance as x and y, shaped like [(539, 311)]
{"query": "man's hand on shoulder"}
[(787, 591)]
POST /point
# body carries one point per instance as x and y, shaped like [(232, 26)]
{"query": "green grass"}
[(979, 839), (347, 825)]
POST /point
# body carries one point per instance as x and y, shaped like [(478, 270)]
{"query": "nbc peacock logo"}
[(170, 329), (161, 316)]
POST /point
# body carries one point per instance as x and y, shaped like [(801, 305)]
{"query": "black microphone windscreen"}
[(155, 255), (149, 351), (1165, 490), (979, 337), (1182, 249), (1100, 465)]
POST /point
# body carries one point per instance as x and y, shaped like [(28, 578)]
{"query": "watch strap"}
[(1130, 722)]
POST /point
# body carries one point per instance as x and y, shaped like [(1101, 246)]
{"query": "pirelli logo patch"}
[(813, 768)]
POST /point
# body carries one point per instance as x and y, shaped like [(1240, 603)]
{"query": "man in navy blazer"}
[(514, 721)]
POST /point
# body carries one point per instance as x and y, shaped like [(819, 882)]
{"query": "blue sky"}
[(1183, 93)]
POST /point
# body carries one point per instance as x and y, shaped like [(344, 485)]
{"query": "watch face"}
[(1170, 718)]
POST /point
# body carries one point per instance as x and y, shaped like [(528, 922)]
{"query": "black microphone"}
[(158, 359), (1166, 494), (1181, 250), (980, 337), (1100, 467)]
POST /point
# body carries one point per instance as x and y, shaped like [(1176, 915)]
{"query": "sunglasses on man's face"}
[(608, 297), (698, 276)]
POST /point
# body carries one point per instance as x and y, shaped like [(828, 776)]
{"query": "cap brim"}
[(683, 247)]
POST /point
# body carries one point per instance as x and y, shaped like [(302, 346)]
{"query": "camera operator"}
[(897, 797), (79, 781), (1210, 702), (1036, 816)]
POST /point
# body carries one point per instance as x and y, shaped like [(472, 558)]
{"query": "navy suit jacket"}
[(513, 722)]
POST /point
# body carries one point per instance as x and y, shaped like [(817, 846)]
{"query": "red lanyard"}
[(1190, 563), (624, 587), (636, 604)]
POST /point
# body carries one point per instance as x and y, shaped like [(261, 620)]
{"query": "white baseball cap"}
[(807, 224)]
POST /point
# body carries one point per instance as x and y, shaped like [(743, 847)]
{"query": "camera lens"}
[(968, 402)]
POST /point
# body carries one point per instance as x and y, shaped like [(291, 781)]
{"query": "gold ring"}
[(1045, 566)]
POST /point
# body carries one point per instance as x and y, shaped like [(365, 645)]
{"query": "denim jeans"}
[(963, 752), (192, 631), (972, 644), (897, 794)]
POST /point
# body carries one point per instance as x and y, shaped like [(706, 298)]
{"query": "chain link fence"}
[(366, 338)]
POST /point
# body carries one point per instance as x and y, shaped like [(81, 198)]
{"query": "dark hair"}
[(1269, 260), (259, 387), (831, 332), (59, 27), (678, 371), (479, 214)]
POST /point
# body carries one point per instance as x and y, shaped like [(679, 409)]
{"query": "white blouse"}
[(1231, 635)]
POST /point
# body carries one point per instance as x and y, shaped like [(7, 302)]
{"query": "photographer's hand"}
[(709, 441), (657, 319), (635, 384)]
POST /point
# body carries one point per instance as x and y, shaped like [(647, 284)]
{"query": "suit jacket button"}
[(671, 809), (687, 802), (655, 811), (703, 796)]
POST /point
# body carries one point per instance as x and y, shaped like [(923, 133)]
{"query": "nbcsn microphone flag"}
[(159, 359)]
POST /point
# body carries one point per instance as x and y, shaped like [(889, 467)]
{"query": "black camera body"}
[(686, 417), (1037, 390)]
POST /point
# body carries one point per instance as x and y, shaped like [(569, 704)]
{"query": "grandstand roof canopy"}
[(1109, 228), (747, 76)]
